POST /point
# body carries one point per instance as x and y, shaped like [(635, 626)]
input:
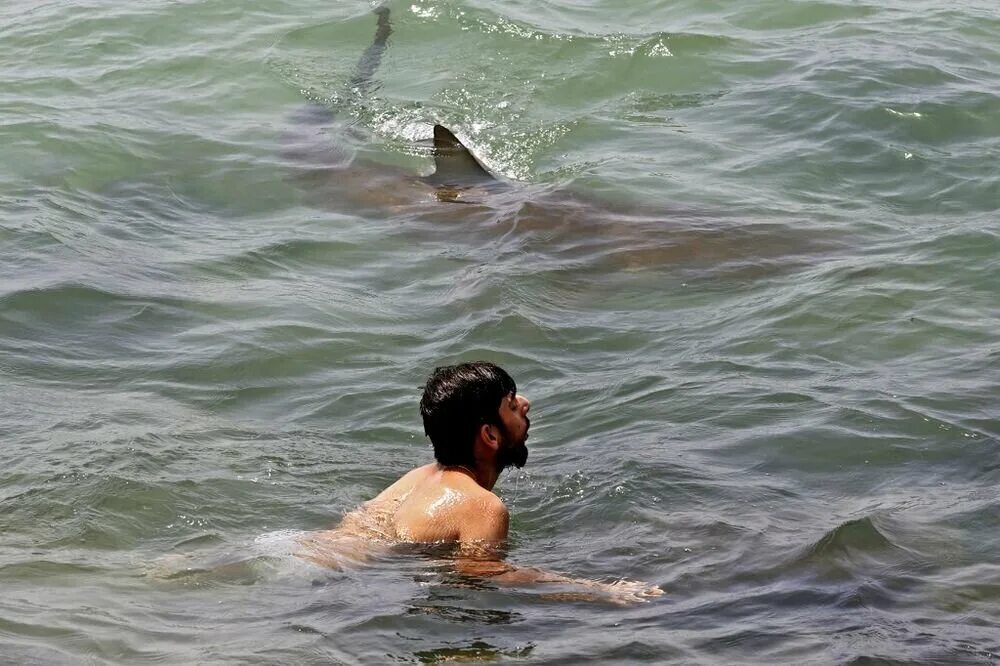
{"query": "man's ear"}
[(490, 435)]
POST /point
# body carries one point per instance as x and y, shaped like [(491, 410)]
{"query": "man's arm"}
[(483, 533), (481, 555)]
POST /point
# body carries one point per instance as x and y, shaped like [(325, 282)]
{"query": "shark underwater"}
[(461, 193), (458, 177)]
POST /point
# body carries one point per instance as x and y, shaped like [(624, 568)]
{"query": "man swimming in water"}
[(478, 425)]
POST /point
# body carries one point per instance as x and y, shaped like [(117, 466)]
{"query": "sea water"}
[(762, 349)]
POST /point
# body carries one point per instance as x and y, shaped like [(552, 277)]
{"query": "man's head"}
[(474, 401)]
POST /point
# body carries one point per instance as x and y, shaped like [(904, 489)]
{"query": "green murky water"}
[(749, 279)]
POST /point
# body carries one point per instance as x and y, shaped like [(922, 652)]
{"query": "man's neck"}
[(487, 475), (482, 473)]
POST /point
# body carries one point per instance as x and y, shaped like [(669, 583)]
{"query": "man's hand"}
[(627, 592), (485, 560)]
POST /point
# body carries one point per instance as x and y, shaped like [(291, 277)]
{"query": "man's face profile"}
[(513, 426)]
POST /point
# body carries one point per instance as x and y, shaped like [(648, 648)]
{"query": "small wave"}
[(875, 544), (801, 16), (45, 570), (855, 537), (278, 257)]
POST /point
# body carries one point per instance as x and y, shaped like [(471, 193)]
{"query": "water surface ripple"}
[(747, 274)]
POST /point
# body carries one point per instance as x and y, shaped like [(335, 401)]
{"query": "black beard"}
[(514, 456)]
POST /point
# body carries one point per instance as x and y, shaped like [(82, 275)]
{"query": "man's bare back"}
[(436, 503), (430, 504)]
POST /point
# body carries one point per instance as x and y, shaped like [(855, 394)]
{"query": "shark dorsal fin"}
[(453, 162)]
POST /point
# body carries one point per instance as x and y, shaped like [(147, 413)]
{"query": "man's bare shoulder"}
[(420, 473), (484, 518), (404, 484), (472, 495), (485, 500)]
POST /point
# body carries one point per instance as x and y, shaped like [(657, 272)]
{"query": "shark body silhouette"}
[(570, 225)]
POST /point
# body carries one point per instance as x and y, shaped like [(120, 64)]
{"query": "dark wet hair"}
[(457, 401)]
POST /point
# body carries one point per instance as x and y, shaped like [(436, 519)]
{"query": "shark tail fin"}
[(454, 163), (362, 83)]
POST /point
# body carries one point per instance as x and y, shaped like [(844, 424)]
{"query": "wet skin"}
[(455, 504), (436, 503)]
